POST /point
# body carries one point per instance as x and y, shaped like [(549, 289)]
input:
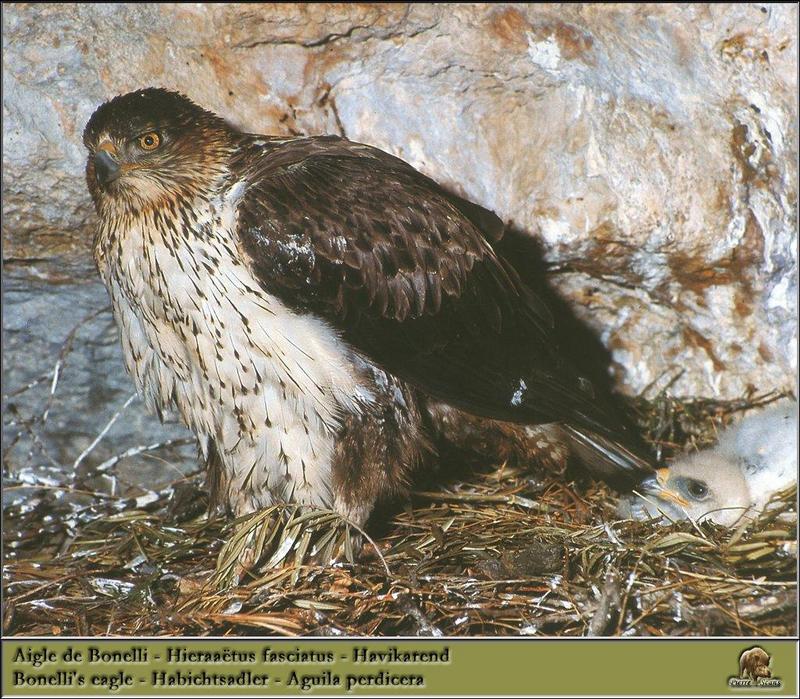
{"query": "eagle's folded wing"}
[(407, 273)]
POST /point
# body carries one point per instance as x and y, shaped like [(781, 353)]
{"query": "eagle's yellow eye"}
[(149, 141)]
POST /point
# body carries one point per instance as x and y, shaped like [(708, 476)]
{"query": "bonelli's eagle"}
[(309, 306)]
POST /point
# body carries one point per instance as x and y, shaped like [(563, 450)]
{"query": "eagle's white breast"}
[(200, 334)]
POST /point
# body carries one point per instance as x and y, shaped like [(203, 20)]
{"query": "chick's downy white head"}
[(753, 460)]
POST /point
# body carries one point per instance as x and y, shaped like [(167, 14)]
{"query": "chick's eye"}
[(149, 141), (697, 489)]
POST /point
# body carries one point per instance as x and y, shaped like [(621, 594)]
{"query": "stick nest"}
[(495, 550)]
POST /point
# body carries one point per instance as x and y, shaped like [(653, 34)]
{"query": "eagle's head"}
[(152, 147)]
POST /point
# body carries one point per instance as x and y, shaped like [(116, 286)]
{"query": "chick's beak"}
[(657, 485), (106, 167)]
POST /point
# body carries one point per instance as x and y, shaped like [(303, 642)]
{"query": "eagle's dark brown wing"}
[(407, 272)]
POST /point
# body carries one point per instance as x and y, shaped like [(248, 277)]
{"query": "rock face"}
[(64, 384), (651, 149)]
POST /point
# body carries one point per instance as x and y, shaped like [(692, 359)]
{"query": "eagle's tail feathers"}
[(605, 457)]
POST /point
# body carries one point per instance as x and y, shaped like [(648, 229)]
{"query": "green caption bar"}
[(358, 667)]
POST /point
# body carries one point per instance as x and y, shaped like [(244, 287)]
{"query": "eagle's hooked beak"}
[(106, 168)]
